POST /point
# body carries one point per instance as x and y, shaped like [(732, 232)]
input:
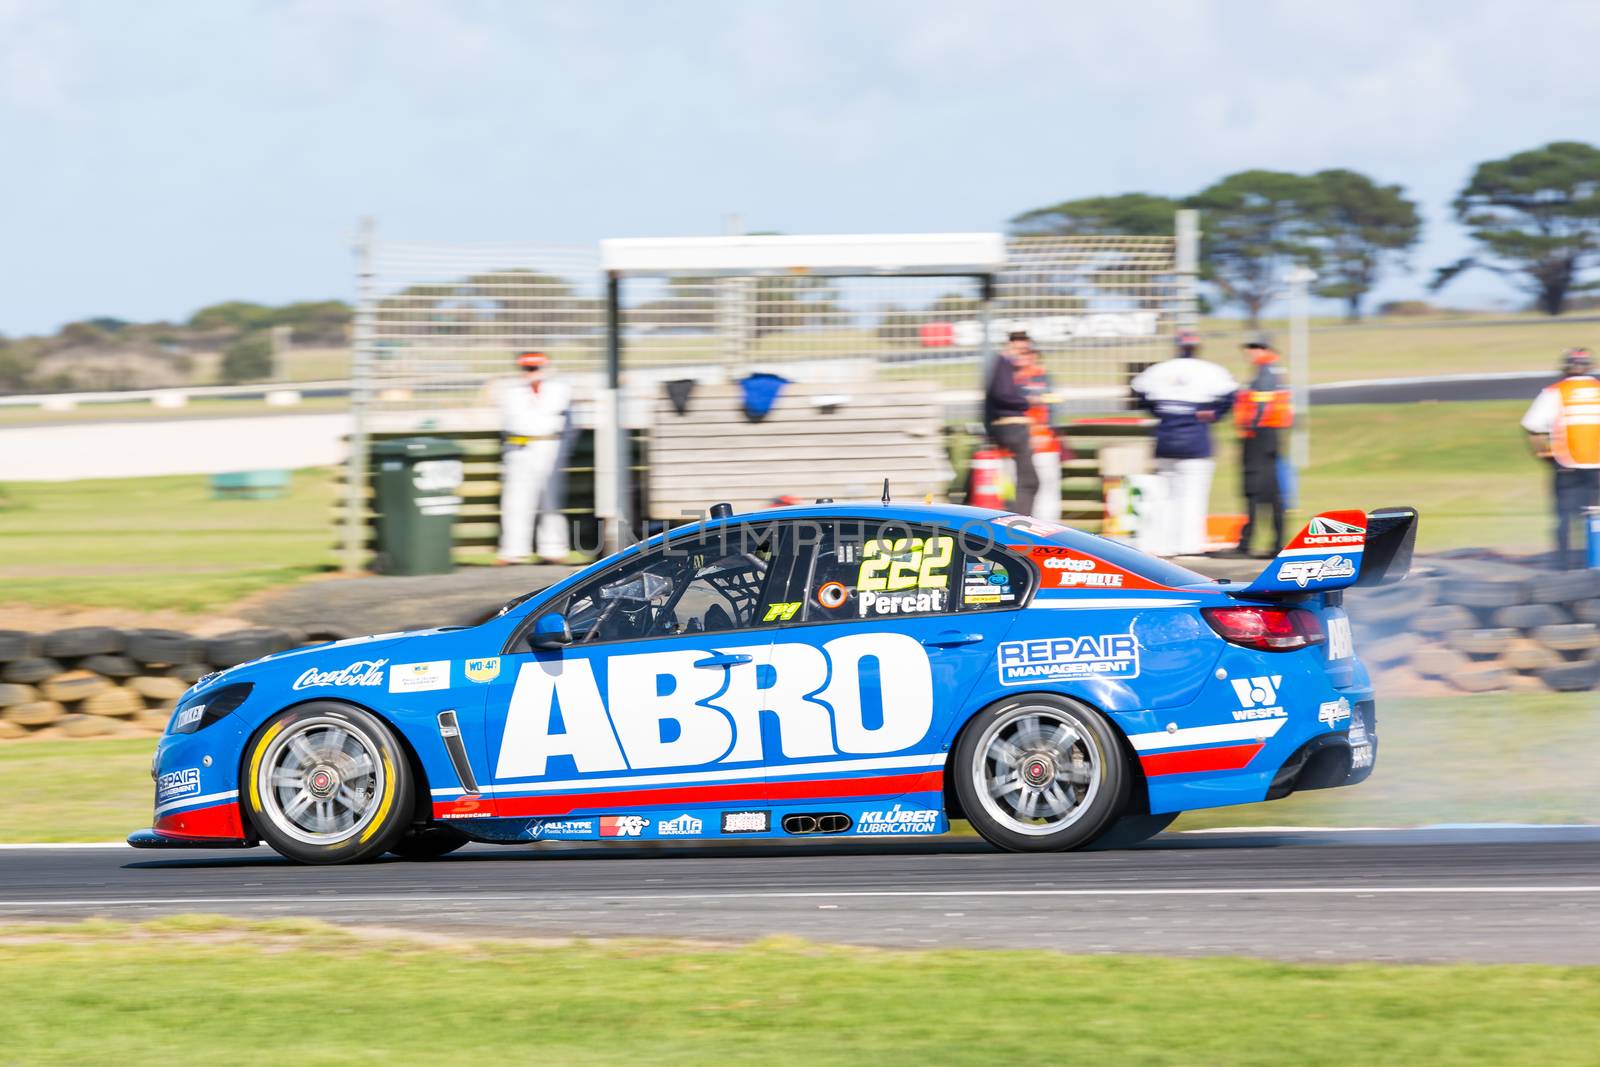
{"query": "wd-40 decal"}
[(906, 563), (1064, 568), (661, 711), (1057, 659), (482, 670)]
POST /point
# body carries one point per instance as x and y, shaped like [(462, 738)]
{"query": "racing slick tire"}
[(1040, 773), (326, 782), (428, 842), (1130, 830)]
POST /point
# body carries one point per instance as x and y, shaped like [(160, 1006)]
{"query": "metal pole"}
[(361, 354), (621, 525), (1300, 279), (985, 317), (1186, 265)]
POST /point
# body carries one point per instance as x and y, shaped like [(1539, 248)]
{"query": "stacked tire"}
[(1483, 625), (98, 681)]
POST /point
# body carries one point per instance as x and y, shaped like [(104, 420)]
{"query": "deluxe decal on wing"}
[(661, 711)]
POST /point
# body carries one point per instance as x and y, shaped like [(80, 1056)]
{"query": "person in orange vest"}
[(1564, 427), (1260, 410)]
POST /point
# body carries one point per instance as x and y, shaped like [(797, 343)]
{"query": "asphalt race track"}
[(1487, 894)]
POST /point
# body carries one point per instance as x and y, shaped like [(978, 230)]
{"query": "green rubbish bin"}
[(418, 497)]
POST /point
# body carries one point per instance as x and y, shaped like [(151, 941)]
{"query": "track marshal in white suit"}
[(534, 414)]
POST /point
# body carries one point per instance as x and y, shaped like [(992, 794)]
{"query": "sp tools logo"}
[(1304, 571), (1334, 712), (1258, 698), (483, 670), (623, 825)]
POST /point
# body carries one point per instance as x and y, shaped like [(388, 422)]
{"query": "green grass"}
[(191, 990), (1465, 467), (1487, 758), (1492, 757), (1403, 347), (157, 543), (75, 790)]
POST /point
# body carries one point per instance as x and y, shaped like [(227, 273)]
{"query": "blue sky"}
[(159, 156)]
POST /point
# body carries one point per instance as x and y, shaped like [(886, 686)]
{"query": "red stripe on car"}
[(1227, 758), (741, 793), (217, 821)]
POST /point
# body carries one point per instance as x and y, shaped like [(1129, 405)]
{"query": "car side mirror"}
[(550, 632)]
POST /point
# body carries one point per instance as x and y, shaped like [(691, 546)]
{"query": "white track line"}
[(42, 845), (831, 894)]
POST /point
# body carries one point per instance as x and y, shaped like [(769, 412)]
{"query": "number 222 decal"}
[(905, 564)]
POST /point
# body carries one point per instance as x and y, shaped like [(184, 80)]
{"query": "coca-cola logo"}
[(361, 672), (1070, 564)]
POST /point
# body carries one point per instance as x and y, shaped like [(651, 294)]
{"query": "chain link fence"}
[(445, 319)]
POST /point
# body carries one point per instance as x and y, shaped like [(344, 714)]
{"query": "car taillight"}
[(1266, 629)]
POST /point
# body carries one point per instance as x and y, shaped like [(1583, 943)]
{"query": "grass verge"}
[(158, 543), (1465, 467), (196, 990), (1489, 758)]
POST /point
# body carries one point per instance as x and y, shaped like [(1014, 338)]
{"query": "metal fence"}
[(439, 321)]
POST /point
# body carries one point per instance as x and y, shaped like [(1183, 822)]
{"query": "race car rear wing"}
[(1339, 549)]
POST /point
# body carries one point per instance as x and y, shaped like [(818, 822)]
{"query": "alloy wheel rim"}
[(320, 781), (1037, 771)]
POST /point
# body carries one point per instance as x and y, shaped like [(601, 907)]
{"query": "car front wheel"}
[(1040, 773), (328, 783)]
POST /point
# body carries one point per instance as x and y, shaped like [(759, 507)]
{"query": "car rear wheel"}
[(328, 783), (1040, 773), (428, 842)]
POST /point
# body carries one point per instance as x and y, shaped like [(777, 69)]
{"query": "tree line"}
[(1533, 216), (73, 356)]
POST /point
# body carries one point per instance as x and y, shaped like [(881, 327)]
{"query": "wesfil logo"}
[(1258, 698)]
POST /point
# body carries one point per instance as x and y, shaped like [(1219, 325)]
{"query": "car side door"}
[(652, 705), (887, 607)]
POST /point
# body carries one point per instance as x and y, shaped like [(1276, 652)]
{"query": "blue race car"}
[(829, 670)]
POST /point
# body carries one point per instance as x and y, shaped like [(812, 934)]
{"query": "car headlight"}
[(197, 713)]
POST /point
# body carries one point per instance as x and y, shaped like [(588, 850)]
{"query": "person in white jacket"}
[(534, 413), (1187, 394)]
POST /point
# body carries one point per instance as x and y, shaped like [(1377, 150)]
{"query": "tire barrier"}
[(1478, 625), (97, 681)]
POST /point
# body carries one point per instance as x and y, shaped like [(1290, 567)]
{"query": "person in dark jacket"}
[(1261, 411), (1187, 394), (1005, 416)]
